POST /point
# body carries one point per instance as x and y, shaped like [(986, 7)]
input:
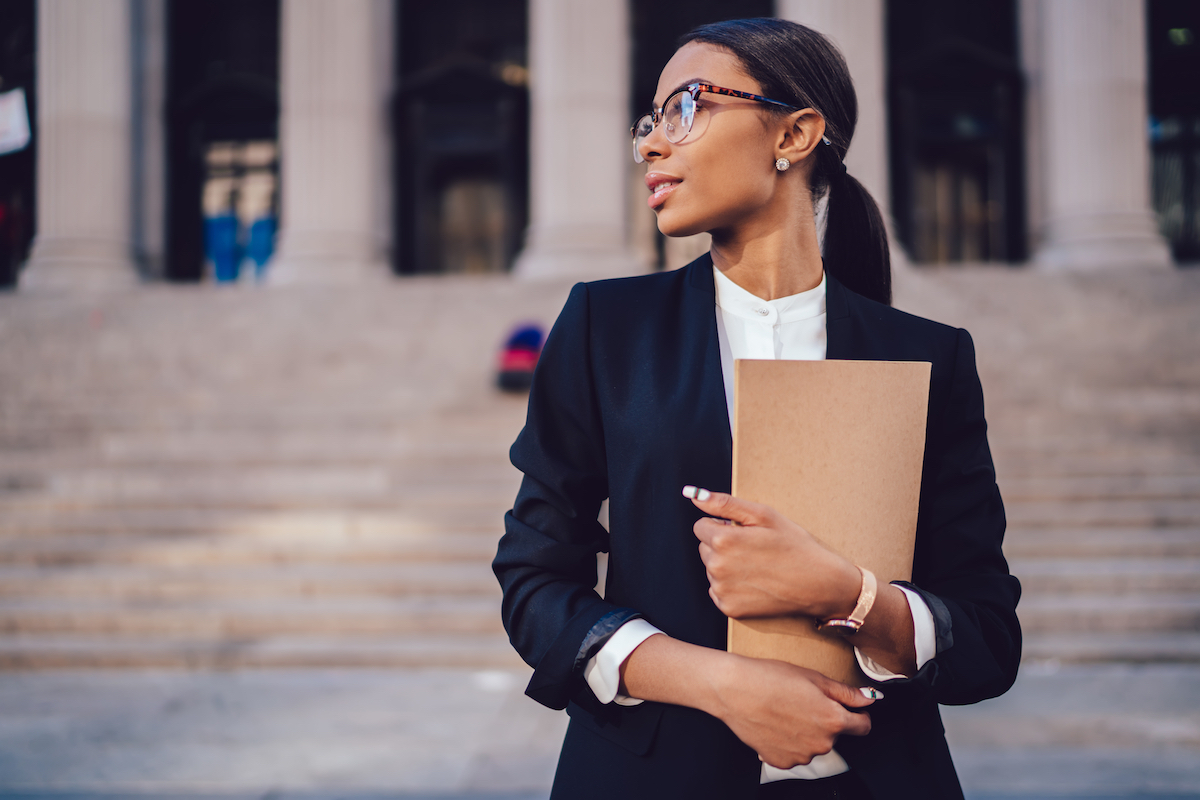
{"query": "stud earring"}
[(782, 165)]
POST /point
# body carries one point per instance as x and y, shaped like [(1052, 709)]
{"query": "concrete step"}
[(326, 616), (1107, 542), (463, 510), (182, 410), (29, 442), (1069, 458), (1109, 613), (1123, 486), (1048, 576), (302, 581), (1133, 647), (188, 550), (472, 477), (483, 463), (1120, 513), (347, 523), (24, 651)]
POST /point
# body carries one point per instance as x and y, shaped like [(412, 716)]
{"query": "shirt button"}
[(762, 312)]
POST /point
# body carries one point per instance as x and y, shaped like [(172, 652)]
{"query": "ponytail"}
[(799, 66), (856, 245)]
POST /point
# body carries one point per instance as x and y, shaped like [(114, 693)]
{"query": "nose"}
[(653, 144)]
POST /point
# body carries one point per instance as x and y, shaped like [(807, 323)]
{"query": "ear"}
[(801, 134)]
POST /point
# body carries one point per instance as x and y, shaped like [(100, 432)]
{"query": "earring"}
[(782, 165), (825, 140)]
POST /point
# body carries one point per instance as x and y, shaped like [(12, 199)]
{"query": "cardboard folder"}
[(837, 447)]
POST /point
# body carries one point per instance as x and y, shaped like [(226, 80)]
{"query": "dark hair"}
[(797, 65)]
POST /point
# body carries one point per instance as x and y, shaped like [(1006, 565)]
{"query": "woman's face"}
[(722, 176)]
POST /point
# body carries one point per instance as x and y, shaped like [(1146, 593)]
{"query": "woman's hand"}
[(788, 714), (765, 565)]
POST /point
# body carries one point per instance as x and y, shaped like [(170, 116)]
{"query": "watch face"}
[(839, 627)]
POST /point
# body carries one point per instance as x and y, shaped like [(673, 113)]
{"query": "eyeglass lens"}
[(677, 117)]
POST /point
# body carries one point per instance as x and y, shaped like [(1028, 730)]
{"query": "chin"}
[(671, 225)]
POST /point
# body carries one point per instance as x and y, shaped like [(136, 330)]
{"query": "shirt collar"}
[(739, 302)]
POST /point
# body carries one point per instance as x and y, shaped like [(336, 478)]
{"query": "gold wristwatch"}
[(866, 599)]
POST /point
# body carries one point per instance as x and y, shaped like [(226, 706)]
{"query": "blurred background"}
[(259, 259), (180, 141)]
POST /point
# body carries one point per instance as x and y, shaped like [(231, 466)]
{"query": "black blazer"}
[(628, 403)]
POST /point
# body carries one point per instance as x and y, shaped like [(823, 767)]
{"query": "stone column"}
[(579, 141), (149, 135), (1095, 152), (335, 85), (857, 28), (84, 164)]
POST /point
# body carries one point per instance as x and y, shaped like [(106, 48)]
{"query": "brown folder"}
[(837, 447)]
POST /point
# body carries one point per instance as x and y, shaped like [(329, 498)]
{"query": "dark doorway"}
[(657, 26), (461, 135), (955, 96), (18, 93), (222, 121), (1173, 29)]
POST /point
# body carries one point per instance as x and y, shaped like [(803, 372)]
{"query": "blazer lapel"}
[(700, 321), (840, 341)]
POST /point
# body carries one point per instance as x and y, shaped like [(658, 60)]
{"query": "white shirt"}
[(791, 328)]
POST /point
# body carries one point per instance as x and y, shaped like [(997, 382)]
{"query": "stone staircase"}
[(1110, 563), (319, 480), (194, 477), (1093, 391)]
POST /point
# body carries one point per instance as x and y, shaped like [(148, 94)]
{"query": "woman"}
[(630, 402)]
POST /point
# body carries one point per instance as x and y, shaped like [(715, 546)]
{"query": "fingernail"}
[(690, 492), (703, 495), (871, 693)]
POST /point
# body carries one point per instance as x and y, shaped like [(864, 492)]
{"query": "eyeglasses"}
[(678, 114)]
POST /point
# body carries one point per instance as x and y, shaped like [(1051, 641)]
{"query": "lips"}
[(660, 185)]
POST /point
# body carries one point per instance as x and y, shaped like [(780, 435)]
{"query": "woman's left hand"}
[(761, 564)]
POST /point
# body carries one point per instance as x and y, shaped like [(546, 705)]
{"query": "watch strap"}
[(866, 599)]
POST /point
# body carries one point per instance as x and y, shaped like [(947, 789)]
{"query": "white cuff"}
[(603, 670), (923, 636)]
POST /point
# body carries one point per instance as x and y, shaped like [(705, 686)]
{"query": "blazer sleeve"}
[(546, 560), (959, 567)]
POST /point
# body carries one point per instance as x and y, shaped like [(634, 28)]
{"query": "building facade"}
[(366, 138)]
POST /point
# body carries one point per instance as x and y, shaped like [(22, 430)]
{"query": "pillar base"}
[(580, 252), (1101, 242), (326, 259), (78, 266), (576, 264), (326, 271)]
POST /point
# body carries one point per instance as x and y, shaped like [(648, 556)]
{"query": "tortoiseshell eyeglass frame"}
[(692, 90)]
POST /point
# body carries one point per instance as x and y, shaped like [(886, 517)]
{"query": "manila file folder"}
[(837, 447)]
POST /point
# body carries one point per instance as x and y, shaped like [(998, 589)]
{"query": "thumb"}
[(719, 504)]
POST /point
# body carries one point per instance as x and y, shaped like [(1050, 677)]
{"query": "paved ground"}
[(1088, 731), (267, 491), (1084, 731)]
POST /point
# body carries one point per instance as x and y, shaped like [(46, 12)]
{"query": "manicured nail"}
[(703, 495), (871, 693), (690, 492)]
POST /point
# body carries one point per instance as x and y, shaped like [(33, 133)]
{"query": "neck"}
[(780, 259), (770, 267)]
